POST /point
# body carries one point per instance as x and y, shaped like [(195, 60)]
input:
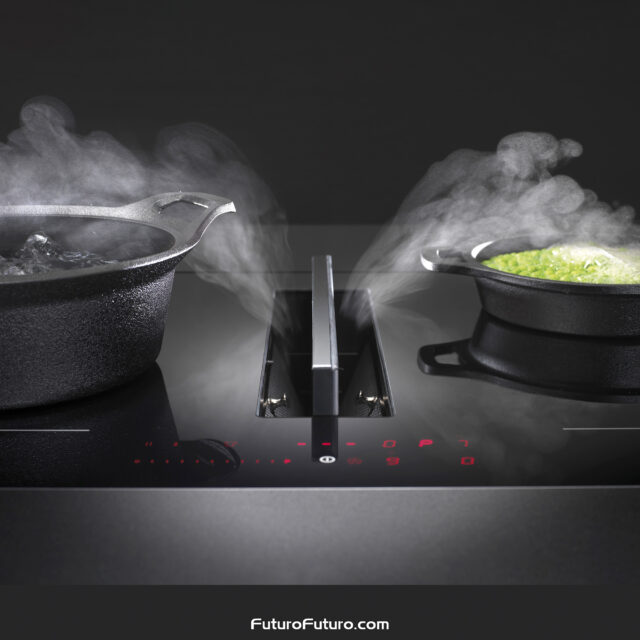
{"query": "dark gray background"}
[(341, 106)]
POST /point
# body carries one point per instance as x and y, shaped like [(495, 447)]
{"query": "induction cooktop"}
[(230, 404)]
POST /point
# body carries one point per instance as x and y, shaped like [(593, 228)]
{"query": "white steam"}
[(46, 162), (471, 197)]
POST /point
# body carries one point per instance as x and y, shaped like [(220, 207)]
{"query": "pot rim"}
[(469, 262), (148, 212)]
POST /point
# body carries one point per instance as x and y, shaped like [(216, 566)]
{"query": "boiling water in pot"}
[(41, 253)]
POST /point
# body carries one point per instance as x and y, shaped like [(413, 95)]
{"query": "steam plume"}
[(471, 197), (46, 162)]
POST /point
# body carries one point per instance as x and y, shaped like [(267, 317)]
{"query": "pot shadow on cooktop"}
[(553, 364)]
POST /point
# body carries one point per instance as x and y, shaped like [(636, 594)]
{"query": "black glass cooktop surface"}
[(191, 421)]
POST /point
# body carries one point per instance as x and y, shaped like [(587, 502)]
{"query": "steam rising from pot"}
[(471, 197), (46, 162)]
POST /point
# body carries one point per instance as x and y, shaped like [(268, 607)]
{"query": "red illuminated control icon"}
[(425, 443), (354, 460), (465, 443), (389, 444), (392, 462), (302, 444), (287, 461), (468, 461)]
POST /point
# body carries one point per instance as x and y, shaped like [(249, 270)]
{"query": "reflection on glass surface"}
[(125, 436), (594, 369)]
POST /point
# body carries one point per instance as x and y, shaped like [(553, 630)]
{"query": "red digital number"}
[(465, 443), (389, 444), (392, 462), (468, 461)]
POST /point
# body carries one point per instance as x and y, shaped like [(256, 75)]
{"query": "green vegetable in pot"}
[(573, 263)]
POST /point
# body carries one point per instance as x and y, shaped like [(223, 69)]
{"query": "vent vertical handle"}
[(324, 360)]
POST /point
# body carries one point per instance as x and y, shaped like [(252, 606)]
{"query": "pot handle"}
[(447, 260), (428, 362), (428, 359), (188, 229)]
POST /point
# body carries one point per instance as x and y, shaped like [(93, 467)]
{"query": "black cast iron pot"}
[(596, 369), (70, 333), (601, 310)]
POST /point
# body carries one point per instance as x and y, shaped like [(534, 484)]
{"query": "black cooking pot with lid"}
[(70, 333), (602, 310)]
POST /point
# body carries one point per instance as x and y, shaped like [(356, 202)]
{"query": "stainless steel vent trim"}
[(324, 359)]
